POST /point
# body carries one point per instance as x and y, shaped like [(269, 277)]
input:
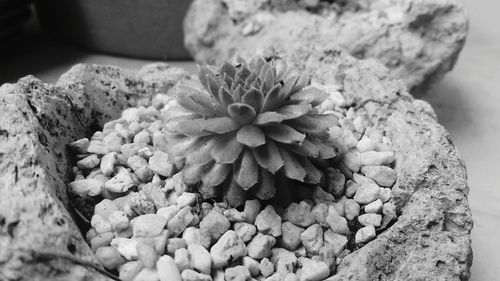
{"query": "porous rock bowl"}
[(430, 240)]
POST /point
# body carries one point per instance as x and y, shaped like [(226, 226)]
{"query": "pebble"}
[(149, 225), (365, 234), (260, 246), (129, 149), (298, 215), (160, 164), (168, 212), (201, 259), (97, 147), (120, 183), (352, 161), (80, 146), (382, 175), (147, 274), (283, 260), (237, 273), (146, 254), (86, 187), (251, 210), (385, 194), (352, 209), (101, 240), (312, 270), (126, 247), (113, 142), (191, 275), (291, 277), (144, 174), (366, 144), (312, 239), (100, 224), (370, 219), (88, 162), (374, 207), (105, 208), (244, 230), (140, 204), (319, 195), (376, 158), (228, 247), (109, 257), (135, 162), (389, 211), (108, 162), (167, 270), (119, 220), (367, 193), (338, 241), (328, 256), (335, 182), (268, 221), (252, 265), (186, 199), (145, 152), (129, 270), (174, 244), (266, 267), (143, 137), (234, 215), (215, 224), (290, 235), (360, 179), (182, 259), (337, 223), (180, 221), (350, 188), (320, 212)]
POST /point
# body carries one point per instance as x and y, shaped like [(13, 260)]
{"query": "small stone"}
[(376, 158), (160, 242), (290, 235), (366, 144), (154, 193), (328, 256), (129, 149), (261, 246), (143, 137), (382, 175), (175, 243), (283, 260), (120, 183), (244, 230), (291, 277), (80, 146), (146, 254), (367, 193), (167, 269), (266, 267), (385, 194), (237, 273), (186, 199), (101, 240), (370, 219), (312, 239), (160, 164), (360, 179), (147, 274), (140, 204), (180, 221), (300, 252), (108, 162), (126, 247), (269, 222), (168, 212), (229, 247), (109, 257), (252, 265), (86, 187), (338, 241), (113, 142), (389, 211), (144, 174), (337, 223), (335, 182), (149, 225), (129, 270), (182, 259), (105, 208), (321, 196), (100, 224), (312, 270), (251, 210), (191, 275), (352, 161), (365, 234), (350, 188), (215, 224), (201, 258), (119, 220), (352, 209), (298, 215), (374, 207), (97, 147), (320, 212), (135, 162), (234, 215), (88, 162), (340, 206)]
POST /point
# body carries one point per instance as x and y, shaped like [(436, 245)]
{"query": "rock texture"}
[(419, 41), (431, 238)]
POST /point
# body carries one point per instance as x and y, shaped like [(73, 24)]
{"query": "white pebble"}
[(167, 269), (88, 162), (367, 193), (120, 183), (86, 187), (374, 207), (370, 219), (108, 162), (375, 158), (126, 247), (365, 234)]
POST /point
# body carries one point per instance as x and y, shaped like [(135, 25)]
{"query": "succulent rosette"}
[(250, 125)]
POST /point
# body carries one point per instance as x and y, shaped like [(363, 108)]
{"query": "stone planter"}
[(431, 237), (145, 29), (419, 41)]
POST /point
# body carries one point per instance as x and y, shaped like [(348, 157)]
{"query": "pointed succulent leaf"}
[(247, 171), (281, 68), (226, 149), (216, 174), (271, 98), (284, 134), (268, 117), (326, 151), (228, 69), (251, 136), (257, 63), (307, 148), (195, 101), (292, 111), (252, 81), (241, 113), (234, 195), (243, 73), (204, 127), (313, 123), (270, 78), (177, 146), (286, 89), (178, 113), (313, 174), (200, 151), (302, 81), (238, 93), (291, 167), (213, 87), (266, 189), (203, 75), (225, 97), (227, 81), (253, 98), (268, 156), (311, 95)]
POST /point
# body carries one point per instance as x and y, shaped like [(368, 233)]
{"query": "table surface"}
[(467, 103)]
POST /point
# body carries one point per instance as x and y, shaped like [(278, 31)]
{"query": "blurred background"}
[(467, 100)]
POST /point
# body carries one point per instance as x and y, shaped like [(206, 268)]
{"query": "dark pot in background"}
[(140, 28), (13, 15)]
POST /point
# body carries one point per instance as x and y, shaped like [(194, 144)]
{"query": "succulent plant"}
[(251, 125)]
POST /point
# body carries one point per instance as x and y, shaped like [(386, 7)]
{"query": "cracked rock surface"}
[(418, 41), (431, 237)]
